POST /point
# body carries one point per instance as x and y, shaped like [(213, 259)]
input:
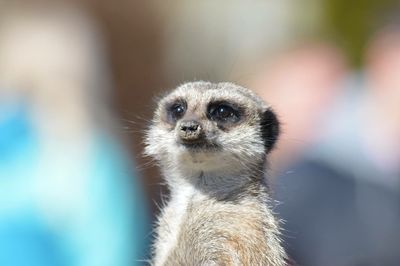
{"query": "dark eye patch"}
[(176, 110), (224, 112)]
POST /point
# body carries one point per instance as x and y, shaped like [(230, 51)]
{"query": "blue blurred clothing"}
[(332, 219), (64, 209)]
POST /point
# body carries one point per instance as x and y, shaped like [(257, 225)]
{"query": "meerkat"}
[(211, 142)]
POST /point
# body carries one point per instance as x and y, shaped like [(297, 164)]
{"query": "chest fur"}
[(195, 230)]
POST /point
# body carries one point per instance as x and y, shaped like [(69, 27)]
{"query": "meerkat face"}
[(209, 127)]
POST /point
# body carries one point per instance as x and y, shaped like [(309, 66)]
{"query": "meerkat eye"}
[(177, 110), (224, 113)]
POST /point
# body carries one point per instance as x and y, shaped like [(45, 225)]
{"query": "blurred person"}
[(300, 83), (340, 196), (69, 193)]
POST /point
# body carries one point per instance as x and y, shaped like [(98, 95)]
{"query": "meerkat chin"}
[(211, 141)]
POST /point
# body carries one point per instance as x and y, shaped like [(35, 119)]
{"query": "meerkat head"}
[(203, 127)]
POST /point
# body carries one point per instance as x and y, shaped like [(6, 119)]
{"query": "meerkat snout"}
[(190, 130)]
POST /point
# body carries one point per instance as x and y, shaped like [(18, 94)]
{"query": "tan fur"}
[(218, 212)]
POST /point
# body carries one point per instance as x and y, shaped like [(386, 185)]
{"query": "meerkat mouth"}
[(199, 145)]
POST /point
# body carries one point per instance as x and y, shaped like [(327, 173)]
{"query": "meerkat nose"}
[(190, 130)]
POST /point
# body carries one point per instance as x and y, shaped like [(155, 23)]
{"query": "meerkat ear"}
[(269, 129)]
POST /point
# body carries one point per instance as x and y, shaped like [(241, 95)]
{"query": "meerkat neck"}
[(216, 185)]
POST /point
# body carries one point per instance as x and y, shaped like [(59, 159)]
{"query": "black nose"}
[(189, 126), (190, 130)]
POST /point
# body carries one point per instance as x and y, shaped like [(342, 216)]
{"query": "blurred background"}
[(77, 87)]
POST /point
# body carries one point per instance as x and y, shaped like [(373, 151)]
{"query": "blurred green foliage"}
[(352, 22)]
